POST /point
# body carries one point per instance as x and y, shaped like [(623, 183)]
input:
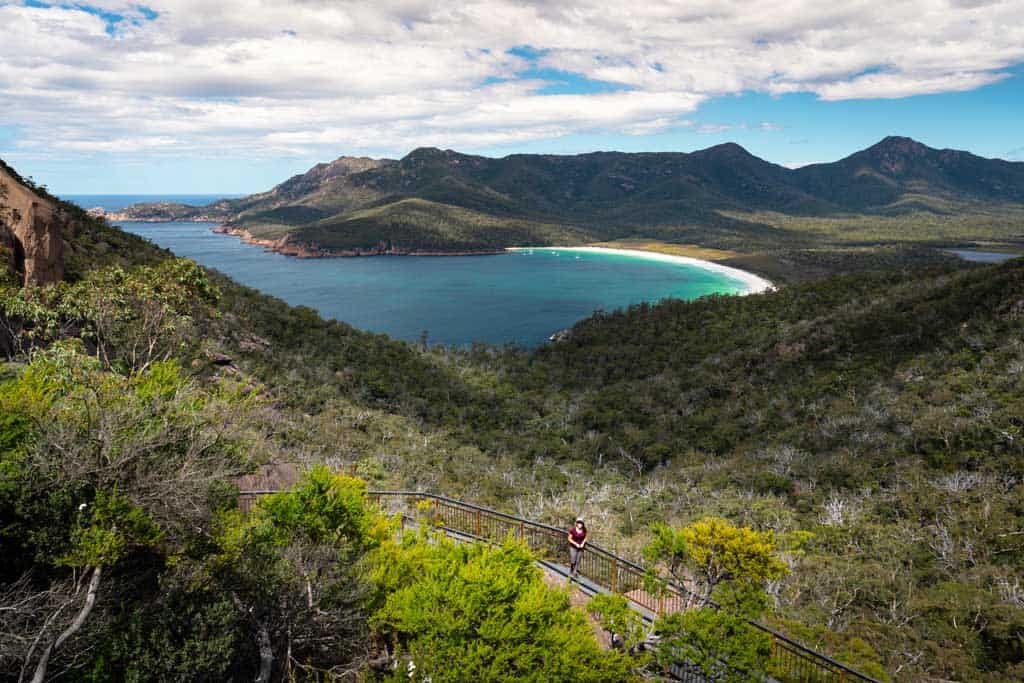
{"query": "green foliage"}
[(180, 635), (723, 646), (136, 317), (101, 466), (25, 321), (294, 570), (668, 546), (325, 508), (474, 613), (731, 566), (716, 551), (130, 318), (109, 529), (616, 617)]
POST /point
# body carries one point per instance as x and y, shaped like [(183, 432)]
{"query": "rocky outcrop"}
[(31, 233)]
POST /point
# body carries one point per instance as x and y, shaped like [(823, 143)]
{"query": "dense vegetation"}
[(879, 414), (430, 226), (127, 555), (871, 422)]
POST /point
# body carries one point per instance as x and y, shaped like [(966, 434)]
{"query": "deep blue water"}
[(517, 298)]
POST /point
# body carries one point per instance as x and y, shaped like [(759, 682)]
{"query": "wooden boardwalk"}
[(600, 571)]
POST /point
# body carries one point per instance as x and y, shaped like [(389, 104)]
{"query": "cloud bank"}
[(242, 78)]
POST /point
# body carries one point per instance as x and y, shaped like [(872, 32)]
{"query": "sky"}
[(234, 96)]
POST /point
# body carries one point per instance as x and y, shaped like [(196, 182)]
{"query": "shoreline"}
[(754, 284)]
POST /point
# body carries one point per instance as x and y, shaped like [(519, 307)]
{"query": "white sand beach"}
[(753, 283)]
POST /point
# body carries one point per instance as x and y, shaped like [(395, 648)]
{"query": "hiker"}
[(577, 542)]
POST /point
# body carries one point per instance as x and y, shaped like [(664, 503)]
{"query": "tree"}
[(140, 316), (478, 613), (101, 472), (712, 551), (727, 564), (293, 570), (624, 626), (128, 318)]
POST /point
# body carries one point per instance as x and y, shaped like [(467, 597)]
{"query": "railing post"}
[(615, 575), (478, 523)]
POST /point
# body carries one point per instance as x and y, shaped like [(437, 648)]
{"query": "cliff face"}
[(31, 227)]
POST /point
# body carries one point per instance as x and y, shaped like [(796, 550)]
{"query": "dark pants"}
[(574, 557)]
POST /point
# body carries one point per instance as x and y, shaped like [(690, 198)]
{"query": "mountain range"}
[(442, 201)]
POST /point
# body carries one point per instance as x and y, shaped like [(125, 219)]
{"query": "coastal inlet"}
[(519, 297)]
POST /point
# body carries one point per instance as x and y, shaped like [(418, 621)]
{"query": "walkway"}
[(600, 572)]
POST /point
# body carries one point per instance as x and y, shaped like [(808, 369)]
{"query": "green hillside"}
[(872, 422), (721, 197), (431, 227)]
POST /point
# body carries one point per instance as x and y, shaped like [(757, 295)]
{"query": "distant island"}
[(441, 202)]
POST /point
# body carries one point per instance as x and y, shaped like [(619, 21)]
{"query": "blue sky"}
[(186, 96), (800, 128)]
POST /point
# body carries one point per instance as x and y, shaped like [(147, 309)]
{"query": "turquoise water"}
[(518, 297)]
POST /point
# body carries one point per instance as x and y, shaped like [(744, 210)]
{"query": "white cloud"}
[(653, 126), (893, 85), (242, 78)]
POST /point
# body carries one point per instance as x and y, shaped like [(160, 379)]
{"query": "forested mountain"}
[(903, 170), (871, 422), (717, 196)]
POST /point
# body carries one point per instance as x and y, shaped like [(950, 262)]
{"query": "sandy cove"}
[(753, 283)]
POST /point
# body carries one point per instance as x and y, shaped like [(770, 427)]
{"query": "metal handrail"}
[(614, 573)]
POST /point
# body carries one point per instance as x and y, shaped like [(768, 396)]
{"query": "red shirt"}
[(577, 534)]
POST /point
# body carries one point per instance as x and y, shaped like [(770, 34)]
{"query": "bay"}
[(521, 297)]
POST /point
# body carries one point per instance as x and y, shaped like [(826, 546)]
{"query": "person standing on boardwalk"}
[(577, 543)]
